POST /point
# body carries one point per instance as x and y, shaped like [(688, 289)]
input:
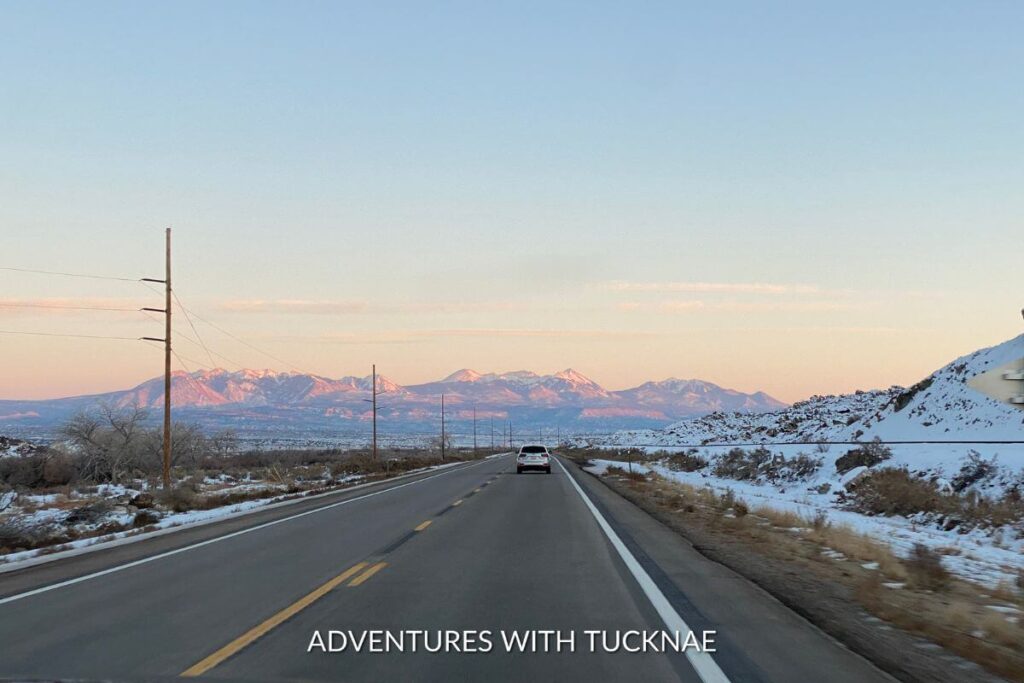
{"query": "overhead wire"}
[(65, 274), (56, 334), (194, 330), (6, 304), (245, 343)]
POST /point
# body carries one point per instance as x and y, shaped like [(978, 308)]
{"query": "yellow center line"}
[(423, 525), (258, 632), (367, 574), (457, 503)]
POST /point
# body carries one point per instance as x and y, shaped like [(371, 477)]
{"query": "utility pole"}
[(492, 433), (511, 442), (167, 360), (474, 431), (374, 411), (442, 428)]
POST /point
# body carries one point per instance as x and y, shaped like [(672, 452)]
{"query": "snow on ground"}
[(55, 509), (942, 407), (984, 556)]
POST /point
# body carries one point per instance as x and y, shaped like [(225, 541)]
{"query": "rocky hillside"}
[(941, 407)]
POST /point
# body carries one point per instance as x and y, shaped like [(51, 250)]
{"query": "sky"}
[(797, 197)]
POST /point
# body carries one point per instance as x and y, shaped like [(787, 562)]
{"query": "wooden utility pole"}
[(492, 433), (166, 310), (442, 428), (374, 378), (511, 442), (474, 430)]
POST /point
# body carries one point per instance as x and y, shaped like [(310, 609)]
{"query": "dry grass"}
[(925, 570), (948, 611)]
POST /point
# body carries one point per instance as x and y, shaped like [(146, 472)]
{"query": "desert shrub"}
[(893, 491), (23, 471), (740, 508), (974, 508), (819, 521), (59, 470), (633, 475), (799, 468), (974, 470), (761, 463), (868, 455), (89, 514), (742, 465), (924, 568), (181, 498), (145, 518), (727, 500), (690, 461), (19, 534)]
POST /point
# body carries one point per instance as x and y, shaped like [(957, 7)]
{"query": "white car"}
[(533, 457)]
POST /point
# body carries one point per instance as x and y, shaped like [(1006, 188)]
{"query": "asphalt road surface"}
[(470, 548)]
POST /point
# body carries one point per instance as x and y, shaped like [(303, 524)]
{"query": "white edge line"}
[(703, 663), (18, 565), (211, 541)]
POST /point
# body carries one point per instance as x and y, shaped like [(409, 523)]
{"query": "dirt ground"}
[(845, 586)]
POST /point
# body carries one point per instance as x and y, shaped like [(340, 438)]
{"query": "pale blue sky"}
[(438, 185)]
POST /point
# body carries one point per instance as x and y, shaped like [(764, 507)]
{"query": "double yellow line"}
[(356, 575), (359, 573)]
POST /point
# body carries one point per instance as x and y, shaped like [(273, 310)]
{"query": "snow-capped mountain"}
[(942, 407), (566, 399), (250, 388)]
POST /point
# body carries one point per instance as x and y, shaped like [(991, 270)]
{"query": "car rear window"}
[(534, 449)]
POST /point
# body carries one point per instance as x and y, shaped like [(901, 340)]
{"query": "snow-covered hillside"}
[(941, 407)]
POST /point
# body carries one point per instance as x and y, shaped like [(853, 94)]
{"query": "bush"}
[(145, 518), (686, 462), (23, 471), (893, 491), (760, 462), (59, 470), (925, 570), (868, 455), (88, 514), (742, 465), (974, 470), (181, 498), (800, 468), (17, 534)]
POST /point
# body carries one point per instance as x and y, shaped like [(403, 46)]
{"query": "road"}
[(470, 548)]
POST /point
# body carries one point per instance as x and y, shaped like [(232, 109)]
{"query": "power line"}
[(242, 341), (54, 334), (213, 363), (57, 272), (69, 308)]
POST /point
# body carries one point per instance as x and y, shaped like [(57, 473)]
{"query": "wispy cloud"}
[(354, 307), (713, 287), (697, 306), (299, 306), (409, 336)]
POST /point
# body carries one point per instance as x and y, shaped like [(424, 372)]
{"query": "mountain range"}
[(307, 403), (947, 405)]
